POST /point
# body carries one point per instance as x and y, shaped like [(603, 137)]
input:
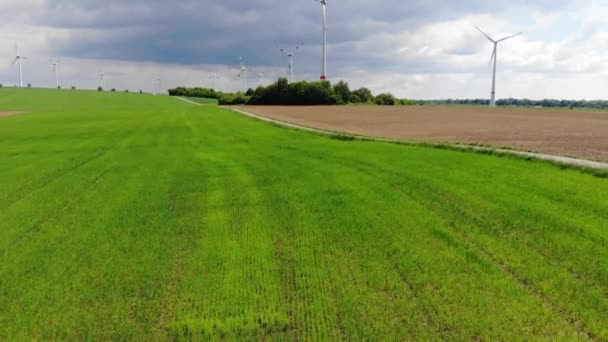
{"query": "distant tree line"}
[(549, 103), (298, 93)]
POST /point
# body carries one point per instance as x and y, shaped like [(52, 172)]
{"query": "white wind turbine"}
[(18, 59), (261, 78), (159, 85), (55, 64), (324, 49), (102, 77), (243, 73), (290, 57), (214, 79), (494, 59)]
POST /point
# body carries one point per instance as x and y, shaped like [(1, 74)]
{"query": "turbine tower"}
[(159, 85), (102, 77), (55, 64), (324, 49), (290, 58), (214, 79), (18, 59), (494, 59), (261, 78), (243, 73)]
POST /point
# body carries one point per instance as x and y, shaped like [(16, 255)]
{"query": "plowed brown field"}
[(575, 133)]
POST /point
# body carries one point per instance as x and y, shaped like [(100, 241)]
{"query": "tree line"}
[(549, 103), (298, 93)]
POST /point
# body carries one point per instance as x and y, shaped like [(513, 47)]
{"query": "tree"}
[(99, 88), (386, 99), (342, 91), (354, 98), (250, 92), (364, 94)]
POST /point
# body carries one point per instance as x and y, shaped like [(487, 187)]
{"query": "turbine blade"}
[(14, 61), (493, 56), (509, 37), (490, 39)]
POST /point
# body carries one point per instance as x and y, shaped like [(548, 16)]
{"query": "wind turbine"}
[(55, 64), (159, 84), (324, 50), (494, 59), (243, 73), (214, 79), (18, 59), (261, 78), (290, 57), (102, 77)]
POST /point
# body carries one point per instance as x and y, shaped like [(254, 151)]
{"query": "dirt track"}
[(10, 113), (575, 133)]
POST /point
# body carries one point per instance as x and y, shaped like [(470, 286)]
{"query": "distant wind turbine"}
[(18, 59), (102, 77), (290, 57), (55, 64), (324, 49), (261, 78), (494, 59), (213, 79), (159, 85), (243, 73)]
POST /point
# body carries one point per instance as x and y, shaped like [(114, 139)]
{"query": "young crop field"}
[(574, 133), (139, 217)]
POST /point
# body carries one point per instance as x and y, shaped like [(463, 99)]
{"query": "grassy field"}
[(127, 216)]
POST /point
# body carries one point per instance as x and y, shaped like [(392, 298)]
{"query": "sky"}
[(413, 49)]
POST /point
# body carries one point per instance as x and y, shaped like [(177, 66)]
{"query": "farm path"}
[(541, 156)]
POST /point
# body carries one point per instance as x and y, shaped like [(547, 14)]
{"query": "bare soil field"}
[(7, 113), (575, 133)]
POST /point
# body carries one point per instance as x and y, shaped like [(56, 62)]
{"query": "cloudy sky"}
[(416, 49)]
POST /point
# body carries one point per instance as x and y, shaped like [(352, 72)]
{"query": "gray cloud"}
[(192, 32), (413, 46)]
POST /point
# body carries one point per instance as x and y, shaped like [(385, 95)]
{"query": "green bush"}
[(386, 99), (354, 98), (294, 94), (342, 91), (233, 99)]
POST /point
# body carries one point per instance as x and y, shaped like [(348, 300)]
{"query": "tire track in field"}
[(413, 294), (187, 243), (576, 325), (372, 170), (61, 172), (35, 228), (471, 245), (66, 204)]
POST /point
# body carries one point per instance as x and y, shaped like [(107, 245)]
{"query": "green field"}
[(139, 217)]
